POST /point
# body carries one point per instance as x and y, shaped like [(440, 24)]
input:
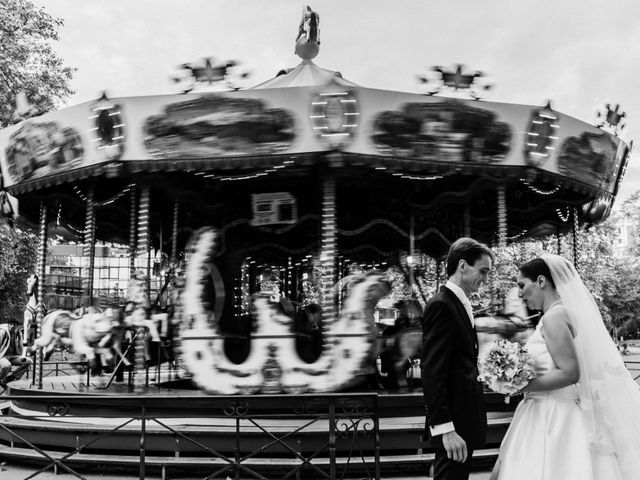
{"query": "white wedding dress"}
[(548, 438)]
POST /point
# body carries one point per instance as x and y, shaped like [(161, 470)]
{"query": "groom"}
[(455, 411)]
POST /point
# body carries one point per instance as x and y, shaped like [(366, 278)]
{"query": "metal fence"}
[(251, 436)]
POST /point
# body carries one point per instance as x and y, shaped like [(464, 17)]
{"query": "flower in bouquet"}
[(505, 367)]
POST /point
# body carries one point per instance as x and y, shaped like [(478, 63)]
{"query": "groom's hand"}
[(455, 446)]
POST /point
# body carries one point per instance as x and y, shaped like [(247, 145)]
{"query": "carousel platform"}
[(174, 428)]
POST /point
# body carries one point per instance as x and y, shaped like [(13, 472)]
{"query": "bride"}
[(580, 417)]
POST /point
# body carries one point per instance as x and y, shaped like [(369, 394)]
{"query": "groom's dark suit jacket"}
[(450, 372)]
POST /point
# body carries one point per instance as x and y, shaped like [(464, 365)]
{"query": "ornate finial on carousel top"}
[(308, 39), (104, 98), (456, 80), (612, 118), (209, 72)]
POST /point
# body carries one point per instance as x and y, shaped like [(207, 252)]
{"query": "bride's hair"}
[(536, 267)]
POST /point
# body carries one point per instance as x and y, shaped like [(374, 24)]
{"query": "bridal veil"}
[(609, 397)]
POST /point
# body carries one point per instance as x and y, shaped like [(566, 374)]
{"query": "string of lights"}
[(517, 235), (263, 173), (407, 176), (539, 190), (115, 198), (564, 216)]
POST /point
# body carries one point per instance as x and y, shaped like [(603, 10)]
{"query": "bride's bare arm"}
[(558, 335)]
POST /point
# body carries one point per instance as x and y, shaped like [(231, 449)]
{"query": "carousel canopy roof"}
[(306, 74)]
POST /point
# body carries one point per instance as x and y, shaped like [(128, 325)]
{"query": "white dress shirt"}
[(458, 292)]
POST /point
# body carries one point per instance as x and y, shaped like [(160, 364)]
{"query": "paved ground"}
[(11, 472)]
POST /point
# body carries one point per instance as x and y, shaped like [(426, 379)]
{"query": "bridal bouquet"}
[(505, 368)]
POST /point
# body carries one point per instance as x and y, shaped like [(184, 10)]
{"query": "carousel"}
[(230, 205)]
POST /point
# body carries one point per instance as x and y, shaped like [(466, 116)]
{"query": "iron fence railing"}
[(299, 436)]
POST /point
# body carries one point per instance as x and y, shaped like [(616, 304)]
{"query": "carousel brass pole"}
[(42, 260), (411, 262), (174, 237), (132, 230), (328, 248), (143, 253), (89, 248), (502, 216), (574, 232)]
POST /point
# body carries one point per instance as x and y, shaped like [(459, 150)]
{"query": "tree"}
[(28, 63), (629, 212), (17, 262)]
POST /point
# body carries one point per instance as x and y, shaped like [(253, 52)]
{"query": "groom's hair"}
[(466, 249), (536, 267)]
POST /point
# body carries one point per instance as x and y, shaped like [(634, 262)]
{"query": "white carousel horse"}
[(273, 363), (29, 313), (135, 312), (88, 335)]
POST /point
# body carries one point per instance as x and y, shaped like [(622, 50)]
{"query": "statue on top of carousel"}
[(308, 39)]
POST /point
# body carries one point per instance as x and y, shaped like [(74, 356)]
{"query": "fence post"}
[(237, 449), (376, 430), (143, 418), (332, 438)]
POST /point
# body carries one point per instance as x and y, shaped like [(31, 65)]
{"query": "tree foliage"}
[(17, 261), (27, 61)]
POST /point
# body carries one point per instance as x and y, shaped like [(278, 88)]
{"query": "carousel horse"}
[(29, 322), (138, 314), (512, 322), (90, 335), (273, 363)]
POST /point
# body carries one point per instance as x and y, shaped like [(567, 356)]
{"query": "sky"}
[(580, 54)]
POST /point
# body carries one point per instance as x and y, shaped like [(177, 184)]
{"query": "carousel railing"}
[(299, 436), (53, 369)]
